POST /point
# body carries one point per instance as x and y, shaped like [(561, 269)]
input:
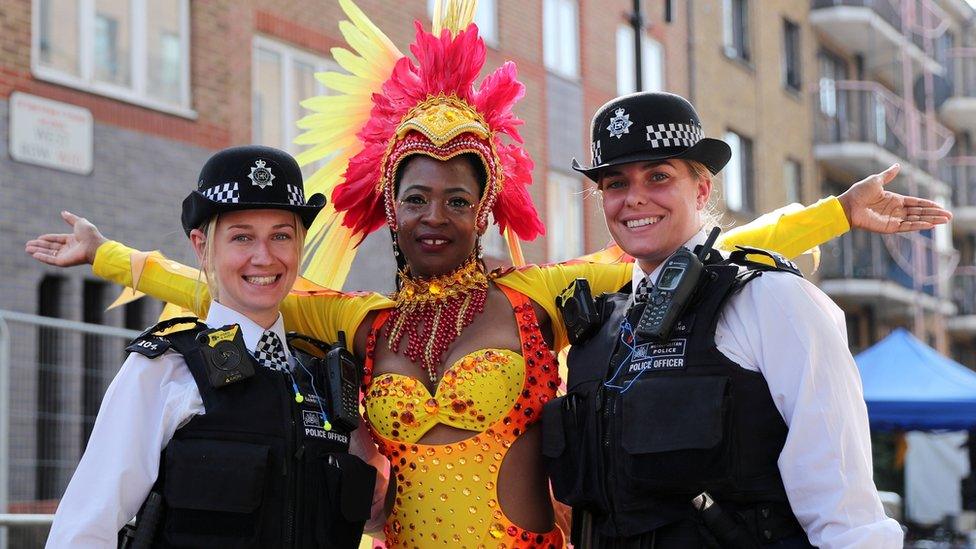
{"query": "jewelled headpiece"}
[(390, 107)]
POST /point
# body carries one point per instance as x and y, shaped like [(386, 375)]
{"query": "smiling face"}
[(255, 258), (436, 209), (652, 208)]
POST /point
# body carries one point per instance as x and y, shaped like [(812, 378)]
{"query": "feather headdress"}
[(389, 107)]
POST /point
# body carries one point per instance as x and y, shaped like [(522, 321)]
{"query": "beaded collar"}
[(432, 312)]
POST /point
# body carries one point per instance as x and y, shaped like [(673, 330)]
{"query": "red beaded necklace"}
[(432, 312)]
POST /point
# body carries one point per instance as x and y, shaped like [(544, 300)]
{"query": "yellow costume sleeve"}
[(308, 309), (790, 230), (544, 283)]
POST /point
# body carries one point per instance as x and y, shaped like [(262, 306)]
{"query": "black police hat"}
[(649, 126), (249, 178)]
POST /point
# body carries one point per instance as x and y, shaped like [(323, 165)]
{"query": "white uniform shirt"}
[(787, 329), (146, 403)]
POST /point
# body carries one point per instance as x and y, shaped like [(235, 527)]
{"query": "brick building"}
[(144, 91)]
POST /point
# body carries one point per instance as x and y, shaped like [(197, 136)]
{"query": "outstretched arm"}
[(866, 205), (316, 312)]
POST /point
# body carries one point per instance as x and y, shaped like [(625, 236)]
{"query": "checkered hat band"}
[(295, 196), (673, 135), (226, 193)]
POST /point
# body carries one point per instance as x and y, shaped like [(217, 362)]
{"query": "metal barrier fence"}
[(53, 374)]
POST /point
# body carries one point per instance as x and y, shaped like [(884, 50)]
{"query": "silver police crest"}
[(260, 175), (619, 124)]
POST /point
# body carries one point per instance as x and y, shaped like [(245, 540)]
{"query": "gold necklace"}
[(432, 312)]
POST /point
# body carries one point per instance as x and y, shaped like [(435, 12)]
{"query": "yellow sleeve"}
[(543, 283), (323, 314), (153, 274), (790, 230), (319, 314)]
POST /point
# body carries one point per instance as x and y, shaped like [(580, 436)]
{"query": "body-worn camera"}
[(580, 314), (225, 355)]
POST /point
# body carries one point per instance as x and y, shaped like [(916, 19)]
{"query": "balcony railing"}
[(864, 256), (929, 19), (960, 172), (961, 71), (867, 112), (964, 293), (886, 9)]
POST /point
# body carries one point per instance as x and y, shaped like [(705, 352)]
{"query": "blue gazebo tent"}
[(910, 386)]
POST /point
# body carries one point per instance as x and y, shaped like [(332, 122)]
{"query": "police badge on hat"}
[(260, 175), (619, 124)]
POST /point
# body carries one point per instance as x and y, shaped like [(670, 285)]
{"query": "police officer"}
[(237, 438), (716, 404)]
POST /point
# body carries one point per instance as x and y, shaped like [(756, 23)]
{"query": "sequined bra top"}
[(447, 493)]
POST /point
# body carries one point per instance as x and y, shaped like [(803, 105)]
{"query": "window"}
[(832, 69), (94, 347), (493, 243), (652, 62), (132, 50), (485, 16), (791, 55), (51, 375), (282, 77), (561, 37), (735, 35), (564, 215), (791, 180), (738, 174)]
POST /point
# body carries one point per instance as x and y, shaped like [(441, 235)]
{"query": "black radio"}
[(673, 291), (341, 374)]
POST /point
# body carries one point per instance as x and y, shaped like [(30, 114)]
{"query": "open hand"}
[(67, 250), (870, 207)]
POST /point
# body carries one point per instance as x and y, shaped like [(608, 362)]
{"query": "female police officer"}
[(740, 424), (229, 432)]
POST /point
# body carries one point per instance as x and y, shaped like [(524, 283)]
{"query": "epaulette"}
[(780, 263), (154, 341)]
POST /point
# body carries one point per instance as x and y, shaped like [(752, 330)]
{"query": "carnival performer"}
[(716, 404), (459, 362), (198, 431)]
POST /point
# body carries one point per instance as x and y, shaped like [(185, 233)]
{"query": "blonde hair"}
[(711, 215), (206, 276)]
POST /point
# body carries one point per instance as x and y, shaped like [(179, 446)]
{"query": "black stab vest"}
[(257, 470), (682, 418)]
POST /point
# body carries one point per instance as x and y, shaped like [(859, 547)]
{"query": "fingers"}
[(69, 217), (47, 258), (888, 175)]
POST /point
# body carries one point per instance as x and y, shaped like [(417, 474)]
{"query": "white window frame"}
[(731, 32), (739, 187), (136, 93), (652, 62), (291, 111), (487, 28), (791, 166), (553, 39), (564, 205)]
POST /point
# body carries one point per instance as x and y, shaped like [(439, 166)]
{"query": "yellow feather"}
[(358, 18), (330, 131), (454, 15), (342, 83)]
